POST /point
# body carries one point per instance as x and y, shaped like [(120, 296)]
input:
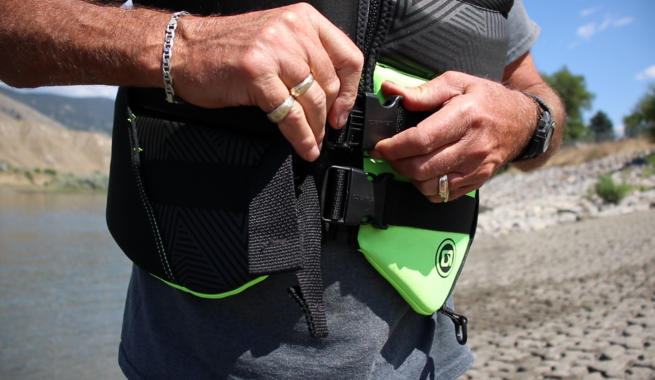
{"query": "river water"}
[(63, 282)]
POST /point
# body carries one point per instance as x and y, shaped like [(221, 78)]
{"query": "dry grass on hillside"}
[(575, 155), (30, 145)]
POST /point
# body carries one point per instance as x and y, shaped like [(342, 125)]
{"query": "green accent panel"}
[(383, 73), (377, 166), (216, 296), (406, 257)]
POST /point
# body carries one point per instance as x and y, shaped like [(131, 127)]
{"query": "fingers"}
[(335, 62), (313, 102), (458, 185), (433, 133), (295, 126), (347, 61), (298, 132), (430, 95)]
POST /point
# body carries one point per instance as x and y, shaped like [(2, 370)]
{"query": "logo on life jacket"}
[(445, 258)]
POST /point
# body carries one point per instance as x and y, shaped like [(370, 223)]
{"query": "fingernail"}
[(313, 154), (320, 146), (374, 154), (343, 119)]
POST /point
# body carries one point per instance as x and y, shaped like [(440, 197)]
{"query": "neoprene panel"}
[(429, 37), (422, 265)]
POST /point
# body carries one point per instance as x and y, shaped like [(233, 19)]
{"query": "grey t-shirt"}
[(262, 334)]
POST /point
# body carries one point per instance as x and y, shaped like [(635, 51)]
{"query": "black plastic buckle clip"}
[(368, 123), (363, 199)]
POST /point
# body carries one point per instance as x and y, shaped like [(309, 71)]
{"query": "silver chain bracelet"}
[(168, 53)]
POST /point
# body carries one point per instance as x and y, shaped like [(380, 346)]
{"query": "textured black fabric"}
[(145, 200), (195, 190), (459, 216), (362, 18), (430, 37), (340, 12), (207, 247), (198, 185), (274, 243), (503, 6), (383, 16), (127, 218), (242, 121), (309, 293)]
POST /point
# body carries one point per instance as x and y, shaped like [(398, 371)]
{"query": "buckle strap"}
[(361, 198), (353, 199), (409, 208), (309, 293), (369, 122)]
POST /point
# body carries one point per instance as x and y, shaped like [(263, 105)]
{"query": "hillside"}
[(13, 109), (30, 145), (81, 114)]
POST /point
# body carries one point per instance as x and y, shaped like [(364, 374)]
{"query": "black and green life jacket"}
[(212, 201)]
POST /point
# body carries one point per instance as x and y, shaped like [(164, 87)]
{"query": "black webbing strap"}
[(368, 198), (406, 206), (274, 241), (240, 120), (285, 232), (309, 293)]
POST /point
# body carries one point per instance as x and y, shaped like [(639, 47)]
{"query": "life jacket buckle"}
[(349, 198), (368, 123)]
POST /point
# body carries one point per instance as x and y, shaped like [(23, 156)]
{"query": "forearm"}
[(65, 42), (522, 76)]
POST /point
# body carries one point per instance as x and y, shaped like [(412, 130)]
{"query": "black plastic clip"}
[(359, 201), (459, 321), (368, 123)]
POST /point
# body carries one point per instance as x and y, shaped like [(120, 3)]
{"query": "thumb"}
[(426, 97)]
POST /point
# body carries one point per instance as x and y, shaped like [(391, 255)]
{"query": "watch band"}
[(542, 136)]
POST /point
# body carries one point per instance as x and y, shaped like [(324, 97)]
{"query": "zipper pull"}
[(460, 322)]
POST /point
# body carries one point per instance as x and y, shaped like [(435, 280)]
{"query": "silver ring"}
[(443, 188), (282, 111), (302, 87)]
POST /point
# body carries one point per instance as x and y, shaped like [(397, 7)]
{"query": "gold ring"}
[(282, 111), (443, 188), (302, 87)]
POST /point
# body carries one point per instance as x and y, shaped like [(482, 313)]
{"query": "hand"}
[(480, 125), (255, 58)]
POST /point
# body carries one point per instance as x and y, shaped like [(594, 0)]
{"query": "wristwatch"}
[(542, 137)]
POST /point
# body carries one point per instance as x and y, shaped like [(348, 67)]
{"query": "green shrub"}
[(609, 191), (50, 171), (650, 159)]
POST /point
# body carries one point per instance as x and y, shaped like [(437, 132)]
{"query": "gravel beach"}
[(573, 301)]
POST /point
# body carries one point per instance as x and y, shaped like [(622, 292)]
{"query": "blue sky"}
[(610, 42)]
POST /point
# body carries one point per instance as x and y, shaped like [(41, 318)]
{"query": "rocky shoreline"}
[(522, 202), (573, 301)]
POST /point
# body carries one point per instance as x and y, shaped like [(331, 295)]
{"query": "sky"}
[(611, 43)]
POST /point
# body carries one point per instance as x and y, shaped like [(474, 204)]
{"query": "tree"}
[(642, 119), (602, 127), (573, 91)]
